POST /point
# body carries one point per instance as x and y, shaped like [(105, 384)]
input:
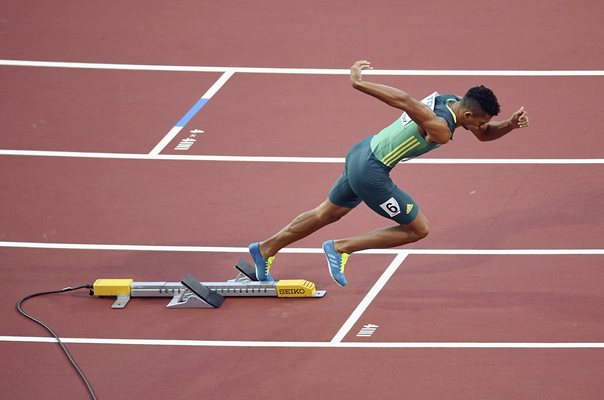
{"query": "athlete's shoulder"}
[(441, 109), (445, 98)]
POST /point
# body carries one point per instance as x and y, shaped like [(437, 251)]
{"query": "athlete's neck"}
[(455, 106)]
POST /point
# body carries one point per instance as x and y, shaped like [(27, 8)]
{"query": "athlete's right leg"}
[(302, 226), (341, 200)]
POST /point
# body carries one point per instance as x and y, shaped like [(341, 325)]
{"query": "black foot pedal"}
[(247, 269), (203, 292)]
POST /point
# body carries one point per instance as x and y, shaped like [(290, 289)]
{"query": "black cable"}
[(67, 289)]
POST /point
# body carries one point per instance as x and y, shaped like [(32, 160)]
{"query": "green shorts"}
[(366, 179)]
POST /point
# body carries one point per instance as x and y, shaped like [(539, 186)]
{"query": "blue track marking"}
[(191, 113)]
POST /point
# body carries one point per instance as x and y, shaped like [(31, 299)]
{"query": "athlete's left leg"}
[(337, 251), (373, 185)]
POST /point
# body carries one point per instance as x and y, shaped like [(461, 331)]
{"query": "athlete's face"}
[(473, 121)]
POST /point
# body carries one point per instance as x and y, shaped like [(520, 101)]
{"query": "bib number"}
[(391, 207)]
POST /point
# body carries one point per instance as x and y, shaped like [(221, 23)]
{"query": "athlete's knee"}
[(422, 232), (419, 228)]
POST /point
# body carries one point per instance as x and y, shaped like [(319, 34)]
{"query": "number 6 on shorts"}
[(391, 207)]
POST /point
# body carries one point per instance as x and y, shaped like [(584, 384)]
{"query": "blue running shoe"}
[(336, 262), (262, 266)]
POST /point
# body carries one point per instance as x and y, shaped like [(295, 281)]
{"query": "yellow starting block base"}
[(112, 287), (295, 288), (191, 293)]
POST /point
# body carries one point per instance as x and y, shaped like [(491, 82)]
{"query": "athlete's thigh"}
[(391, 202), (342, 194), (371, 181)]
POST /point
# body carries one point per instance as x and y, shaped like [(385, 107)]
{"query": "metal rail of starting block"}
[(191, 293)]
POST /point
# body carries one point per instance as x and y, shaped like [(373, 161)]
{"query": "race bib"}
[(429, 101), (391, 207)]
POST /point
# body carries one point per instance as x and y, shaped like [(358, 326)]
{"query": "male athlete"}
[(423, 127)]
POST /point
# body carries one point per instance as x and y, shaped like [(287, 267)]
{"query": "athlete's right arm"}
[(436, 128)]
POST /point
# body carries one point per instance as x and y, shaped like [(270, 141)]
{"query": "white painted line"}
[(503, 252), (200, 103), (218, 84), (74, 154), (123, 247), (507, 161), (297, 250), (171, 157), (375, 290), (297, 71), (165, 140), (279, 159), (284, 344)]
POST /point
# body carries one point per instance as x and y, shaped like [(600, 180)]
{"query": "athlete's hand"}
[(520, 119), (357, 69)]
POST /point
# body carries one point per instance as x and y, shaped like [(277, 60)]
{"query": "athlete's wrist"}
[(509, 124)]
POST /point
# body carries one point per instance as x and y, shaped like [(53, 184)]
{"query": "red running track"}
[(540, 310)]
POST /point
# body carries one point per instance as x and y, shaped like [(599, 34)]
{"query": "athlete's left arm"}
[(496, 129)]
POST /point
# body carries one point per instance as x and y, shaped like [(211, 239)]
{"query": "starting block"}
[(191, 293)]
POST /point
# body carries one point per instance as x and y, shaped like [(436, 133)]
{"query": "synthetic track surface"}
[(503, 300)]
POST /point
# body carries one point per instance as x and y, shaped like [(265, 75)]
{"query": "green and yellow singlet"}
[(402, 139)]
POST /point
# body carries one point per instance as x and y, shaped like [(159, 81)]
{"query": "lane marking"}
[(285, 344), (308, 160), (192, 112), (371, 295), (294, 250), (400, 253), (166, 140), (367, 330), (298, 71)]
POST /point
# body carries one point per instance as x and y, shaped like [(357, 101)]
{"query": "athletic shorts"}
[(366, 179)]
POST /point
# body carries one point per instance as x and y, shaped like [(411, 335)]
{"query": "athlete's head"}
[(478, 106)]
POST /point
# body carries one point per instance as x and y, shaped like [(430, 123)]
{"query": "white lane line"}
[(165, 140), (294, 250), (298, 71), (371, 295), (282, 159), (285, 344), (191, 113)]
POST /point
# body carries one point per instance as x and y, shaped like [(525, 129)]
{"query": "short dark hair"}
[(480, 98)]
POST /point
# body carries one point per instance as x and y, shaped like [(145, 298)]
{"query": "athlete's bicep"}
[(435, 127), (437, 131), (418, 111)]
